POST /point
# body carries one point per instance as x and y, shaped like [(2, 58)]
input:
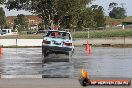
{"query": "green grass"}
[(83, 34), (104, 34)]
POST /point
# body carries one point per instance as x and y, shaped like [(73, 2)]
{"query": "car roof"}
[(58, 31)]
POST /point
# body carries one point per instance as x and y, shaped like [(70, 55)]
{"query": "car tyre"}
[(44, 52)]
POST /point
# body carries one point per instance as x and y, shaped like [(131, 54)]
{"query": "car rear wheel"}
[(44, 55), (44, 52)]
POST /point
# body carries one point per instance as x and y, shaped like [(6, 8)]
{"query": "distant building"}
[(32, 20)]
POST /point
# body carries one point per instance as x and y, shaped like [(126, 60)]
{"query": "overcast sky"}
[(104, 3)]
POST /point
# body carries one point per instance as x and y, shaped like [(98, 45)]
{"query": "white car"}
[(58, 42)]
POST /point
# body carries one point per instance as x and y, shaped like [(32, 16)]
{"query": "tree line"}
[(69, 14)]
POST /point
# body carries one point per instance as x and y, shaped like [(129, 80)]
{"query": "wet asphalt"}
[(103, 62)]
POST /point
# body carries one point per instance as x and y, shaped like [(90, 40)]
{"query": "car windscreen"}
[(58, 34)]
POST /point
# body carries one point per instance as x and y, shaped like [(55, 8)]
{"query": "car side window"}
[(48, 34), (55, 34), (52, 34), (66, 35)]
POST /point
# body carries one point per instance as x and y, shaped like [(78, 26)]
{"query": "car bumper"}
[(56, 48)]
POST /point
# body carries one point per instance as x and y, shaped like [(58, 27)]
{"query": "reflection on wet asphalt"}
[(21, 61), (104, 62)]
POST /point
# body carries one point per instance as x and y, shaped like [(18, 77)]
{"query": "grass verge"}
[(80, 34), (104, 34)]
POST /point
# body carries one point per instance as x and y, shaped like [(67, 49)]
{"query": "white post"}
[(123, 27)]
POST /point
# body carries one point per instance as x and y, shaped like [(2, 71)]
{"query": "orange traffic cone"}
[(0, 50), (88, 48), (85, 73)]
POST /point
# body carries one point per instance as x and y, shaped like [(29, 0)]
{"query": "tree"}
[(94, 6), (6, 26), (41, 26), (98, 14), (21, 23), (68, 10), (47, 9), (112, 5), (2, 18), (117, 12), (87, 19), (2, 1)]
